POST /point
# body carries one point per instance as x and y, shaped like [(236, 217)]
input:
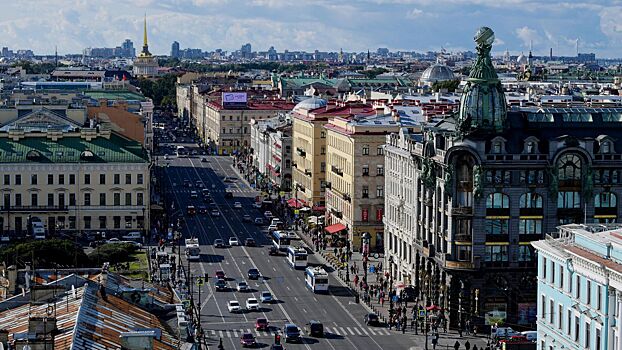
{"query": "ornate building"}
[(145, 65), (487, 182)]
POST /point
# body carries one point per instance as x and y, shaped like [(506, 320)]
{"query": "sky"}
[(326, 25)]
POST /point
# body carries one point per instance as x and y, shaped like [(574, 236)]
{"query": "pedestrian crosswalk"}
[(339, 331), (198, 190)]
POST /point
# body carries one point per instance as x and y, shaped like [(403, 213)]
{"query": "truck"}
[(193, 250)]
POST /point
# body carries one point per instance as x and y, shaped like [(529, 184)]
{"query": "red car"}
[(261, 324), (248, 339), (220, 274)]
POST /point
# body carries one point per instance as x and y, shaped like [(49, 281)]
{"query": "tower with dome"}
[(145, 65)]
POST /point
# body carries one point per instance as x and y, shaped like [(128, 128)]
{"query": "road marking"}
[(296, 298), (364, 331), (288, 288), (336, 331), (274, 268), (221, 334), (228, 334), (235, 332), (357, 331), (350, 330)]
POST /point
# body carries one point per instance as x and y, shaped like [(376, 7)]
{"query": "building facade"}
[(145, 65), (486, 183), (579, 287), (271, 142)]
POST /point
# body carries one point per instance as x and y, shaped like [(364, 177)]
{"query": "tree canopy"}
[(48, 253), (161, 90)]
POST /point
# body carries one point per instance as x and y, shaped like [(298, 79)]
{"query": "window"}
[(72, 179), (365, 191), (551, 311), (87, 222), (553, 266), (379, 214), (128, 222), (365, 214), (530, 226), (560, 316), (561, 277), (18, 199), (576, 328), (224, 130), (605, 200), (588, 292), (568, 321), (365, 170), (102, 179), (87, 179), (498, 200), (139, 179), (18, 179), (380, 150), (531, 177), (33, 179), (102, 199), (464, 252), (50, 179), (117, 198), (72, 199), (526, 253), (569, 167), (72, 222), (87, 199), (34, 199), (599, 299), (530, 201), (139, 198), (544, 262), (497, 147), (50, 199), (322, 134), (597, 339), (542, 306), (7, 179), (61, 179), (496, 253), (568, 200), (578, 287), (366, 150), (587, 335), (605, 147), (116, 221), (380, 170), (102, 222), (323, 167), (497, 226), (128, 198), (498, 177), (128, 179), (379, 191), (530, 147), (322, 150), (117, 179)]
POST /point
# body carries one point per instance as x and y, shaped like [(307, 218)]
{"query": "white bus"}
[(297, 257), (316, 279), (280, 240), (193, 251), (181, 152)]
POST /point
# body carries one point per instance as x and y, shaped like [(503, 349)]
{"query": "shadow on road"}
[(212, 258)]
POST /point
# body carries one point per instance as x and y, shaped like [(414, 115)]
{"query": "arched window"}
[(605, 200), (605, 147), (569, 167), (498, 200), (531, 201)]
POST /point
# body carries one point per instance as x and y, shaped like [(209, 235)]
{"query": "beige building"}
[(355, 194), (70, 173), (309, 146)]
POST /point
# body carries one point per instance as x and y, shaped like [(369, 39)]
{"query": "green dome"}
[(482, 104)]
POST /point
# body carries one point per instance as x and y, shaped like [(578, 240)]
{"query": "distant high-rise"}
[(246, 51), (175, 49), (128, 49)]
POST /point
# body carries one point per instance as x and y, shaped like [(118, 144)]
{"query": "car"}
[(250, 242), (233, 241), (219, 243), (252, 304), (371, 319), (277, 347), (215, 212), (205, 192), (261, 324), (253, 274), (503, 332), (274, 251), (221, 285), (242, 286), (233, 306), (194, 194), (189, 184), (220, 274), (228, 194), (191, 210), (203, 160), (202, 209), (266, 297), (132, 236), (237, 205), (248, 339), (258, 221), (276, 221), (257, 205), (316, 328), (272, 228), (531, 336), (291, 333), (200, 184), (247, 218), (194, 152), (268, 214)]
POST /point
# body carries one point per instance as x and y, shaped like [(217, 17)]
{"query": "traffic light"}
[(206, 276), (277, 339)]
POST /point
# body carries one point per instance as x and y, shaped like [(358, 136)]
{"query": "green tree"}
[(112, 253), (160, 90), (449, 85), (48, 253)]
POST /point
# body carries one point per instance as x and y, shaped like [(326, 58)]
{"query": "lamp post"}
[(425, 312)]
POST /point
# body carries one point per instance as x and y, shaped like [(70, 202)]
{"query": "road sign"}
[(395, 298), (421, 313), (296, 211), (200, 281)]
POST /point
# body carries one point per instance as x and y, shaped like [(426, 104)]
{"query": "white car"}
[(237, 205), (233, 241), (215, 212), (242, 286), (132, 236), (252, 304), (233, 306), (272, 227), (194, 194)]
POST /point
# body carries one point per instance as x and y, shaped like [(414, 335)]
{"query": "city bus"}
[(316, 279), (193, 251), (297, 257), (280, 240), (181, 152)]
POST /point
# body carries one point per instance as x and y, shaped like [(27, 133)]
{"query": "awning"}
[(332, 229), (319, 208), (295, 203)]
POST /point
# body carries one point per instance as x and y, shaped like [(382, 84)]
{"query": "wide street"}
[(341, 316)]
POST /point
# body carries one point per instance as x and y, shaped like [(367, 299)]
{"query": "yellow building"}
[(145, 65), (355, 177)]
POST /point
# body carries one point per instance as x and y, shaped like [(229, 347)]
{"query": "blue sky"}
[(354, 25)]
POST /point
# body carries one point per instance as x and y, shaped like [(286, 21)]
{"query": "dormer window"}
[(531, 145), (496, 147), (605, 147)]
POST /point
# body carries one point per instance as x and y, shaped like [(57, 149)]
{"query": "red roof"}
[(332, 229)]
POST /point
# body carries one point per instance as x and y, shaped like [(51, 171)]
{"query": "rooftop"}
[(115, 95)]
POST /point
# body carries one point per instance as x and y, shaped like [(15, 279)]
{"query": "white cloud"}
[(414, 13), (527, 35)]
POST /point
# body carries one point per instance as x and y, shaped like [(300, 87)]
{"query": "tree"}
[(48, 253), (159, 89), (113, 253), (449, 85)]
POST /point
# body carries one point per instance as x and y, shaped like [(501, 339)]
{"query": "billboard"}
[(234, 99)]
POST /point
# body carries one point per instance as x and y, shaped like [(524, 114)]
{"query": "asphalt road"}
[(341, 316)]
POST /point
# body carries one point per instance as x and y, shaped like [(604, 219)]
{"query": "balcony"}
[(301, 152), (459, 265), (462, 211), (336, 213), (347, 197), (336, 170), (463, 237), (308, 172), (36, 208), (428, 250)]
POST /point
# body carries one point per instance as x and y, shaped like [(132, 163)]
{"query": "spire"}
[(145, 44)]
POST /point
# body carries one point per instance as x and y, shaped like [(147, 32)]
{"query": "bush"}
[(50, 253), (113, 253)]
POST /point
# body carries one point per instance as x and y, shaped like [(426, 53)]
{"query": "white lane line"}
[(274, 269), (228, 334), (336, 331), (248, 330), (371, 330), (357, 331), (343, 331), (386, 332), (350, 330), (235, 332), (221, 334), (364, 331), (296, 298)]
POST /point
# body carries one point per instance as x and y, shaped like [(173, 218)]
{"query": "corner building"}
[(466, 198)]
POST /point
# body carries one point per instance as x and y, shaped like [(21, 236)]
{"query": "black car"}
[(274, 251), (253, 274), (202, 209), (250, 242), (371, 319), (316, 329), (228, 194), (221, 285)]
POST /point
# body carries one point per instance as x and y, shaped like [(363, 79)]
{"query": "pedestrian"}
[(468, 327), (475, 347), (404, 326), (457, 345), (467, 345)]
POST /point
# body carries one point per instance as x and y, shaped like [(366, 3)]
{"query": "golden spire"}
[(145, 32)]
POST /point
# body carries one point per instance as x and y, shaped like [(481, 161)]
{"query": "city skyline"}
[(363, 25)]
